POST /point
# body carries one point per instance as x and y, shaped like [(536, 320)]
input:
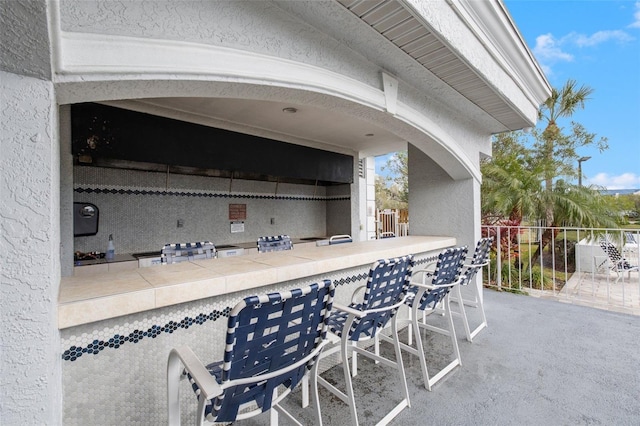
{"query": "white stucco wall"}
[(29, 247), (287, 40), (317, 55), (438, 205)]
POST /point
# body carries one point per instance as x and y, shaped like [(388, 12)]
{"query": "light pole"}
[(580, 160)]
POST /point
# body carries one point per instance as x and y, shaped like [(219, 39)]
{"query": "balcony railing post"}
[(498, 259)]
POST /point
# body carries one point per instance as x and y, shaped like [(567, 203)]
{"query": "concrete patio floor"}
[(599, 291), (539, 362)]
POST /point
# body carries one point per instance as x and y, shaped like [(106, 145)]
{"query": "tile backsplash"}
[(142, 209)]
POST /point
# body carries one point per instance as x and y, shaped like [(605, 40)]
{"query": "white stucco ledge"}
[(91, 298)]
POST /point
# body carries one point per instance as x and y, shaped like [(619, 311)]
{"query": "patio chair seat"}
[(385, 293), (272, 342)]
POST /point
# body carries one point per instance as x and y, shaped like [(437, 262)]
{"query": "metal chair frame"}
[(272, 342), (385, 293), (425, 300), (470, 270), (615, 261)]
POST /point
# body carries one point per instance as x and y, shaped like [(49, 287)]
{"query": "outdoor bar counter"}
[(117, 328)]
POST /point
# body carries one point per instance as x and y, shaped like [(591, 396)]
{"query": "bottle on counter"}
[(111, 249)]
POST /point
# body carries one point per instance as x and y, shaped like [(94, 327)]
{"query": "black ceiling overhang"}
[(108, 134)]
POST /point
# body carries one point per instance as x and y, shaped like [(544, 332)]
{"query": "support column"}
[(439, 205), (31, 385)]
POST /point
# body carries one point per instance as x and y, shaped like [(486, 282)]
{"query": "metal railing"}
[(394, 221), (572, 265)]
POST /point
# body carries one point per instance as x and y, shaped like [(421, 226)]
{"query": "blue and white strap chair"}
[(426, 296), (615, 261), (385, 293), (469, 272), (275, 243), (183, 252), (272, 342)]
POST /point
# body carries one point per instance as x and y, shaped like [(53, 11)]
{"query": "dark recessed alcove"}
[(106, 136)]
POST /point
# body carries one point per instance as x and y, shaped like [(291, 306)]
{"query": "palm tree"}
[(557, 152), (511, 182), (512, 189), (561, 104)]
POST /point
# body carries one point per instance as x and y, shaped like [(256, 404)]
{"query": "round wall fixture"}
[(290, 110)]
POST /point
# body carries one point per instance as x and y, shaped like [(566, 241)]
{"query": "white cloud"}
[(598, 37), (547, 49), (623, 181), (636, 17), (550, 50)]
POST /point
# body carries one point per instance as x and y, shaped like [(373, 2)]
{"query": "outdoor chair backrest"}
[(630, 238), (267, 334), (274, 243), (447, 273), (617, 261), (387, 285), (480, 258), (182, 252)]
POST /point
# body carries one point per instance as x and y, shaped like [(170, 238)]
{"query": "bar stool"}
[(385, 292), (427, 295), (470, 270), (272, 342)]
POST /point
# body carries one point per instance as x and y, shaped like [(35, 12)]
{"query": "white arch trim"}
[(82, 56)]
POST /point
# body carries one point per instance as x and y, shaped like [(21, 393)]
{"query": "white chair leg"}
[(403, 379), (410, 327), (419, 347), (351, 401), (463, 312), (399, 362), (174, 373), (273, 413), (354, 360), (314, 392), (304, 385), (452, 331), (200, 414), (479, 305)]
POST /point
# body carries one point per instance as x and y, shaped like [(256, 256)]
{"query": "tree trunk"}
[(547, 236)]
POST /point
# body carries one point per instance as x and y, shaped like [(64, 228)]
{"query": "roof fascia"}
[(493, 26)]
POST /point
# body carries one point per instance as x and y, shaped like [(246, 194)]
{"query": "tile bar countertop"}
[(91, 298)]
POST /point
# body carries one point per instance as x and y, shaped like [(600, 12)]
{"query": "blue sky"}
[(596, 43)]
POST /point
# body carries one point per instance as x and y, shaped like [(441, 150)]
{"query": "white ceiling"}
[(309, 125)]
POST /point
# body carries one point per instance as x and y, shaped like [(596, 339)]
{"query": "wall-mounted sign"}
[(237, 227), (237, 212)]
